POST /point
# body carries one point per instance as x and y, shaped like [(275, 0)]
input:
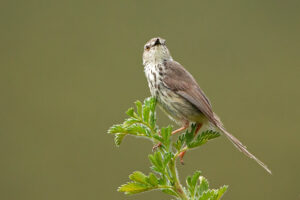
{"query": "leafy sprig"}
[(164, 176)]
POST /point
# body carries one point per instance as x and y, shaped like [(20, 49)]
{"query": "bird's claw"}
[(156, 146), (181, 157)]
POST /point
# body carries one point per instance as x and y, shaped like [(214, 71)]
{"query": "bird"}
[(179, 95)]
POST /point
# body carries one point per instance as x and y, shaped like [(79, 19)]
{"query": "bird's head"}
[(155, 50)]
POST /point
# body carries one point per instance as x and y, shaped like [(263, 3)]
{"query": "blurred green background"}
[(69, 70)]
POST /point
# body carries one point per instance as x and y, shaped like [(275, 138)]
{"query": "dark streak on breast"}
[(162, 94)]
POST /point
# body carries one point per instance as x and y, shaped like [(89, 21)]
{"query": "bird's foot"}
[(198, 128), (156, 146), (186, 125), (181, 157)]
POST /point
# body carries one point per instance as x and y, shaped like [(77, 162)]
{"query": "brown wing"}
[(182, 82)]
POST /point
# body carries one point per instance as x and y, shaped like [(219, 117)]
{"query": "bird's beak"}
[(157, 42)]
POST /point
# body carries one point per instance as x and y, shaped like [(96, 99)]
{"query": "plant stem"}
[(177, 186)]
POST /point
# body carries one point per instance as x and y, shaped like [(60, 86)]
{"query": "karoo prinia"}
[(179, 95)]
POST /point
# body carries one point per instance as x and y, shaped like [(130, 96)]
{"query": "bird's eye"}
[(147, 47)]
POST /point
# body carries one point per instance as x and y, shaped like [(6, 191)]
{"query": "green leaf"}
[(169, 192), (208, 195), (189, 135), (166, 158), (189, 184), (156, 167), (152, 104), (221, 191), (166, 134), (203, 138), (158, 159), (192, 182), (195, 178), (138, 177), (158, 137), (138, 105), (146, 112), (152, 120), (116, 129), (152, 179), (130, 112), (179, 142), (130, 121), (210, 134), (162, 181), (136, 129), (119, 138), (157, 162), (134, 188), (203, 185)]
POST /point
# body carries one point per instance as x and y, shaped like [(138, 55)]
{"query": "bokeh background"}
[(70, 69)]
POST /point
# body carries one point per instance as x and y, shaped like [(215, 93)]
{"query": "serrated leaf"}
[(189, 182), (139, 109), (146, 112), (166, 134), (130, 112), (179, 142), (152, 179), (207, 195), (119, 138), (221, 191), (169, 192), (156, 167), (203, 185), (158, 159), (152, 159), (139, 177), (198, 142), (158, 137), (195, 178), (162, 181), (130, 121), (152, 104), (210, 134), (167, 157), (152, 120), (203, 138), (116, 129), (189, 135), (134, 188), (136, 129), (192, 183)]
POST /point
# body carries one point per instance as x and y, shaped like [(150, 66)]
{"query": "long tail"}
[(239, 145)]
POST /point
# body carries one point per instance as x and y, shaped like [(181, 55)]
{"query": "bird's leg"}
[(157, 145), (181, 157), (185, 126), (199, 125)]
